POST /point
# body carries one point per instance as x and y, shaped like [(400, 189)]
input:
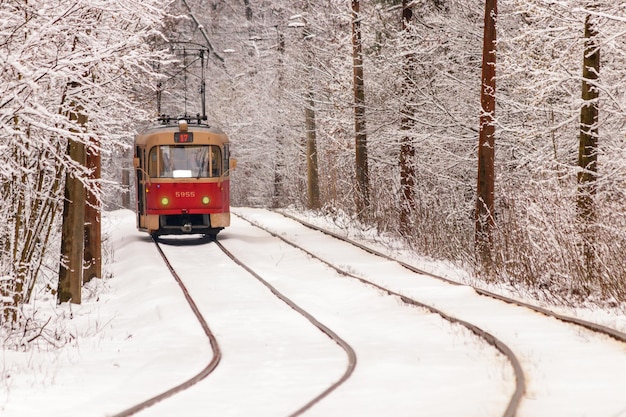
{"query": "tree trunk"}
[(486, 178), (278, 192), (311, 155), (407, 150), (362, 174), (93, 230), (71, 268), (126, 187), (588, 144), (72, 233), (313, 189)]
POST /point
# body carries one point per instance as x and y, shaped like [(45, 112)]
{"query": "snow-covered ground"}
[(134, 337)]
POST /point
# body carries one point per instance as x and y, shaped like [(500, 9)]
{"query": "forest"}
[(370, 112)]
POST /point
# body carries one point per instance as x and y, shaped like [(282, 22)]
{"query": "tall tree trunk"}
[(362, 174), (126, 186), (71, 268), (72, 232), (278, 192), (486, 177), (311, 155), (313, 189), (588, 146), (93, 230), (407, 150)]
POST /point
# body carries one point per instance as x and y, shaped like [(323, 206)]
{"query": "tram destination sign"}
[(183, 137)]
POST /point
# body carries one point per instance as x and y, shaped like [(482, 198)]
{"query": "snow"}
[(134, 337)]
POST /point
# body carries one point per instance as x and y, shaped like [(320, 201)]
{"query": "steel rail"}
[(352, 358), (614, 333), (217, 354), (520, 381)]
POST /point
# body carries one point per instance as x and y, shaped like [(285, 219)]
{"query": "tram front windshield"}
[(185, 161)]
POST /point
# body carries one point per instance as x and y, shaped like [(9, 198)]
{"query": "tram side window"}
[(216, 161), (153, 163), (159, 165), (226, 159)]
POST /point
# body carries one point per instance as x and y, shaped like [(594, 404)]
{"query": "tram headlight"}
[(165, 201), (206, 200)]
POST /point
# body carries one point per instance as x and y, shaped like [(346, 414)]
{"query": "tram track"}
[(519, 394), (595, 327), (350, 353), (520, 386), (217, 353), (206, 371), (493, 339)]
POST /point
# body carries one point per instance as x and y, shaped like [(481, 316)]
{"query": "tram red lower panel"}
[(187, 197)]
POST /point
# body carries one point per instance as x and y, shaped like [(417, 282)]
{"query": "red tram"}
[(182, 173)]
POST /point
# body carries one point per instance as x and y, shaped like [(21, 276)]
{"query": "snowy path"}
[(569, 371), (266, 346), (135, 337), (284, 358), (410, 362)]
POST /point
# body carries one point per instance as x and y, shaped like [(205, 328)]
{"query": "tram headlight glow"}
[(165, 201), (206, 200)]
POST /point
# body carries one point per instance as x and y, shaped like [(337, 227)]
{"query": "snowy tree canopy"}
[(56, 59), (270, 60)]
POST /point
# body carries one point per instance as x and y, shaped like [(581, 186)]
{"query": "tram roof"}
[(177, 125)]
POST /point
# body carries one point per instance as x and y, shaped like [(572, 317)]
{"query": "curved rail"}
[(520, 382), (616, 334), (344, 345), (217, 354)]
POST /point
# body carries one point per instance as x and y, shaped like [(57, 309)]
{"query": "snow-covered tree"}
[(542, 53), (57, 57), (270, 63)]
